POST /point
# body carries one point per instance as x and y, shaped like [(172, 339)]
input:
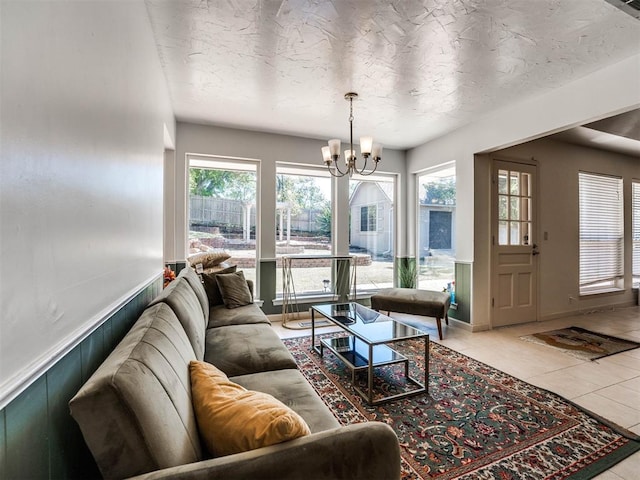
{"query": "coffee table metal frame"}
[(386, 355)]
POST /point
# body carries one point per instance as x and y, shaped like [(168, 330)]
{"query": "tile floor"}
[(609, 386)]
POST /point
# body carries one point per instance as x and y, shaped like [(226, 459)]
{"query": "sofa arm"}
[(356, 452)]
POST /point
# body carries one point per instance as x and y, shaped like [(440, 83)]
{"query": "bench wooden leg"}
[(446, 318), (439, 327)]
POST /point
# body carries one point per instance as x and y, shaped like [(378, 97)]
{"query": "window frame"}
[(601, 233), (233, 164), (447, 169), (383, 219), (302, 170)]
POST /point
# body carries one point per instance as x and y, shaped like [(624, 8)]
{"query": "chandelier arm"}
[(341, 173), (375, 166), (364, 167), (334, 175)]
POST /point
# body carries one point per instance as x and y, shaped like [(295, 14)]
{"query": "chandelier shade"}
[(368, 149)]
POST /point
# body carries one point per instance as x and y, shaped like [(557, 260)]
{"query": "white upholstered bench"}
[(428, 303)]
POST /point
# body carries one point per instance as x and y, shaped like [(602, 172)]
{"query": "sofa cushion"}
[(185, 304), (291, 388), (220, 316), (234, 290), (232, 419), (211, 286), (242, 349), (135, 411), (198, 288)]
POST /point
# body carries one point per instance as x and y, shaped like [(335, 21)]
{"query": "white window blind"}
[(601, 232), (635, 235)]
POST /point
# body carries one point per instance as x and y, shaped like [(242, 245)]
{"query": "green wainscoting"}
[(38, 437), (268, 286), (463, 293)]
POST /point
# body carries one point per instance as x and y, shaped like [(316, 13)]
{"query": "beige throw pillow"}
[(234, 289), (232, 419), (209, 259)]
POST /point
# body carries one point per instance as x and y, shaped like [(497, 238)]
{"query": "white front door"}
[(514, 252)]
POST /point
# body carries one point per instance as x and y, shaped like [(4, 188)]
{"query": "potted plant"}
[(407, 272)]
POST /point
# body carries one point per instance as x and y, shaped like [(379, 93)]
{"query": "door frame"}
[(493, 213)]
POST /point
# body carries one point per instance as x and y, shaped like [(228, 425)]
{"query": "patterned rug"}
[(476, 422), (581, 343)]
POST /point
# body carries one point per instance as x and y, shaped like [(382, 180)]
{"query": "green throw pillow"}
[(234, 289), (211, 286)]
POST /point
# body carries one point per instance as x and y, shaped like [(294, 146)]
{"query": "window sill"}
[(602, 291)]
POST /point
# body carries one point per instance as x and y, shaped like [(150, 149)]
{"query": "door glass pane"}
[(515, 209), (502, 182), (525, 184), (515, 233), (514, 183), (525, 211), (503, 211), (503, 233), (526, 233)]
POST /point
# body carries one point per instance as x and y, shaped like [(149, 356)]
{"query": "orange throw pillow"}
[(232, 419)]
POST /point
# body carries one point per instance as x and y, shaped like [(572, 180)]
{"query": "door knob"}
[(534, 250)]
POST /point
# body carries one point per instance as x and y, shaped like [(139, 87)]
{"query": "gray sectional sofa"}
[(137, 418)]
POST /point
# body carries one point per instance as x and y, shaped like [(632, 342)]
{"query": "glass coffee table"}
[(367, 345)]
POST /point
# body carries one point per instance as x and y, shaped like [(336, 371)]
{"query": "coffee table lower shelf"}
[(355, 354)]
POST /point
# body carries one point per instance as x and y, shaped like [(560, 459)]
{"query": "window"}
[(436, 227), (372, 229), (303, 227), (368, 218), (222, 209), (514, 208), (635, 229), (601, 232)]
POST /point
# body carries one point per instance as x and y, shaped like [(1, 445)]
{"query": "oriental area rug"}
[(476, 422), (581, 343)]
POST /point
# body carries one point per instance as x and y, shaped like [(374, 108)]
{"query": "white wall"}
[(588, 99), (84, 108), (269, 149)]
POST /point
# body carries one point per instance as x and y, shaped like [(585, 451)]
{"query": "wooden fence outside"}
[(215, 211)]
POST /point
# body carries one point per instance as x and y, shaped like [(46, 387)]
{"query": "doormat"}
[(581, 343)]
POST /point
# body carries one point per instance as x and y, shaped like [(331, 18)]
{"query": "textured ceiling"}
[(421, 68)]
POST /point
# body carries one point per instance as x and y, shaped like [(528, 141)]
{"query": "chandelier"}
[(331, 152)]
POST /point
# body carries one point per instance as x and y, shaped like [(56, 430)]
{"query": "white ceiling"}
[(421, 68)]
